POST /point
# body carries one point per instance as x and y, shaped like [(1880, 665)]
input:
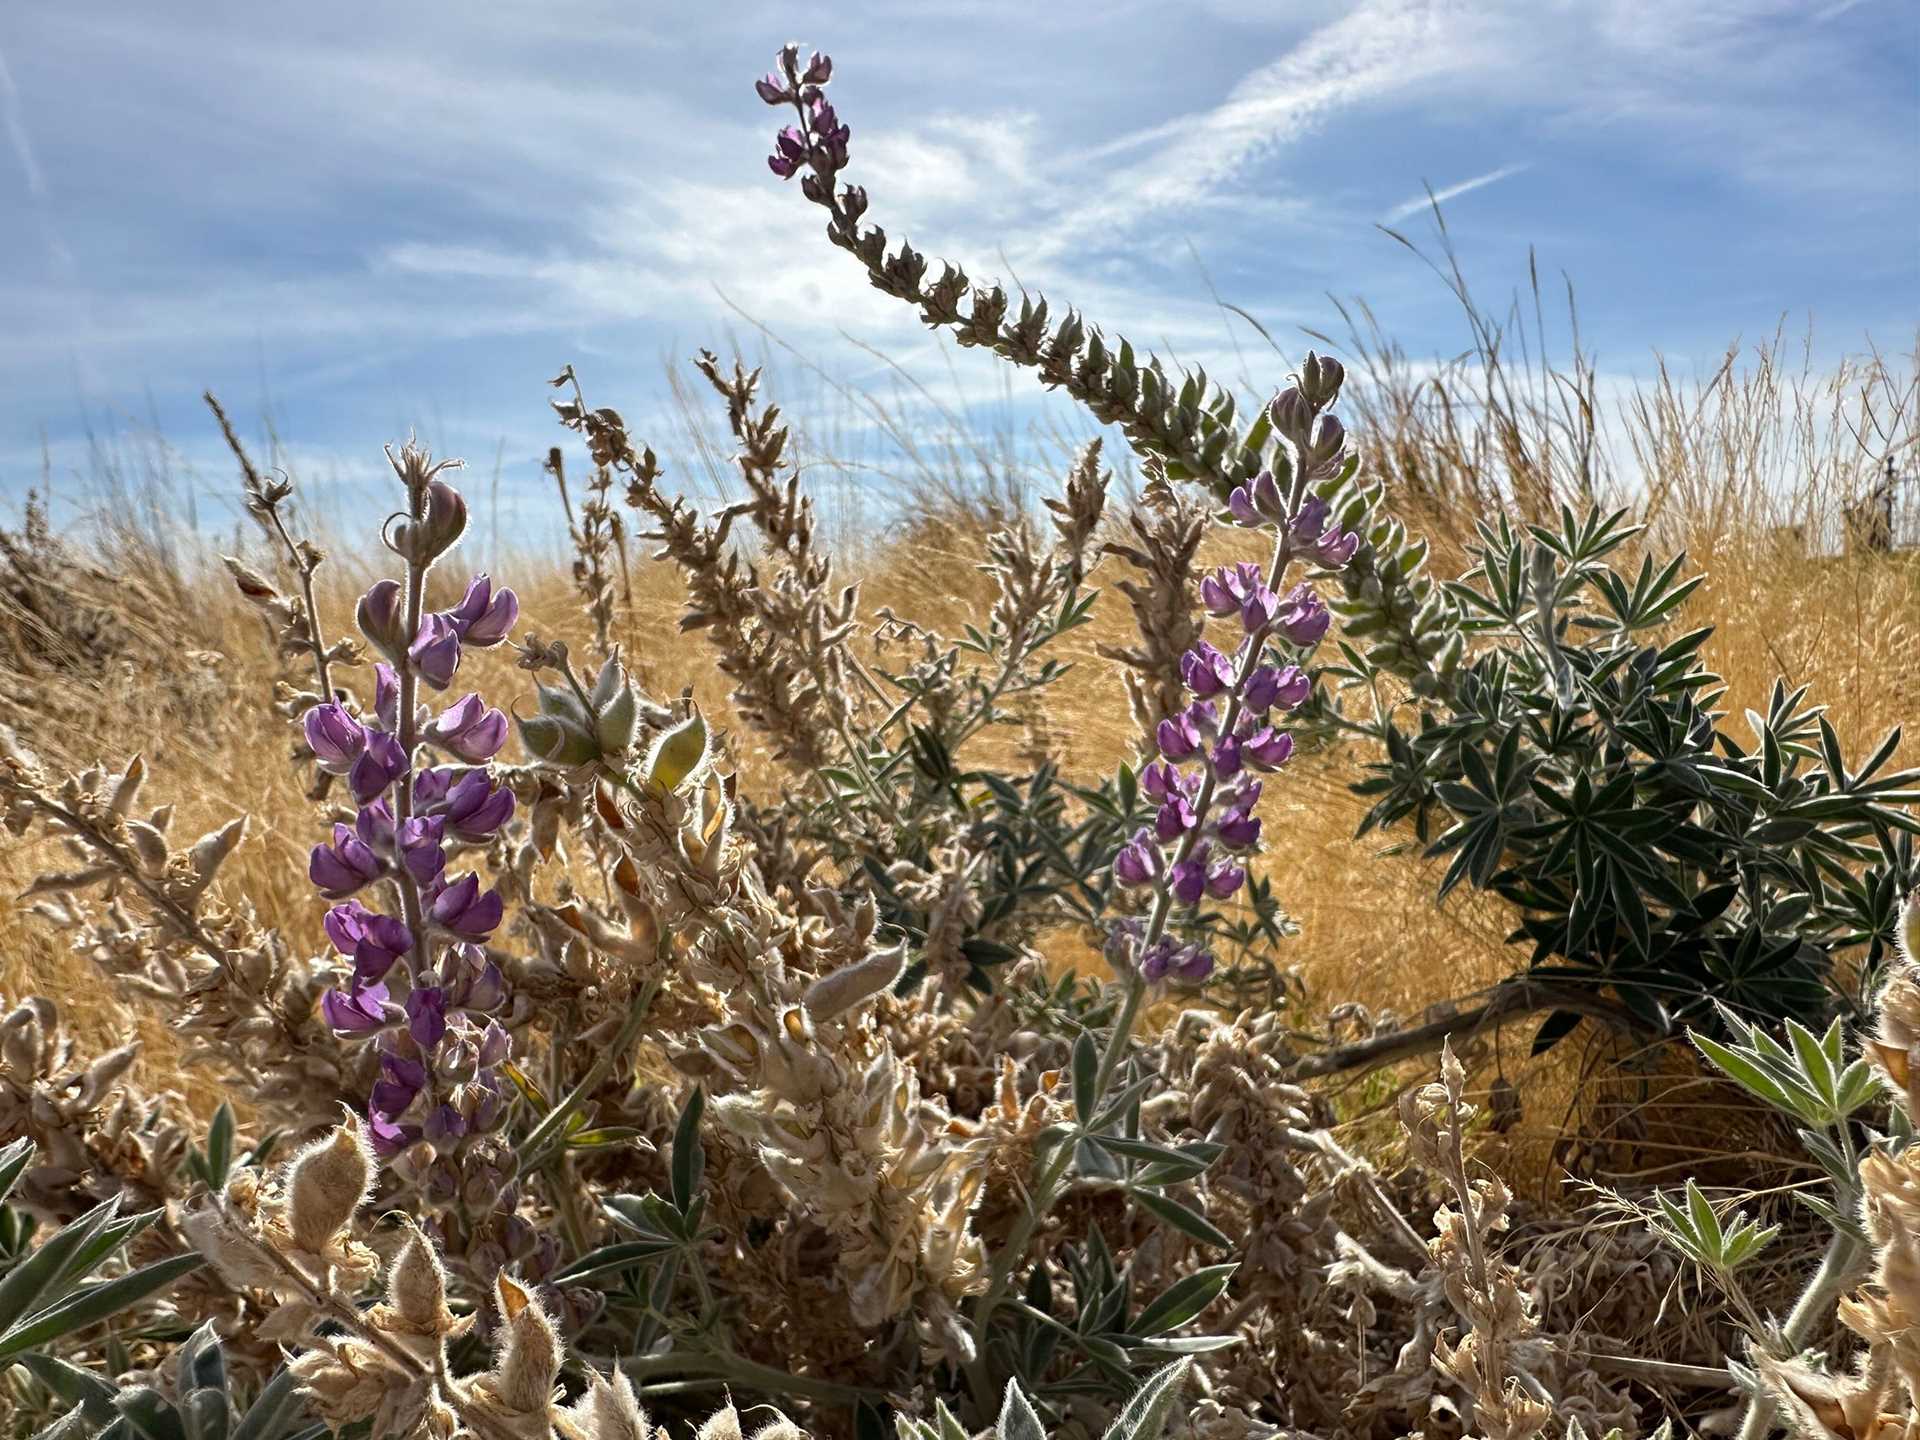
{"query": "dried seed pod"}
[(326, 1183)]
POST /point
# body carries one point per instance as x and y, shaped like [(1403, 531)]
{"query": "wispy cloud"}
[(1452, 192), (17, 131), (370, 239)]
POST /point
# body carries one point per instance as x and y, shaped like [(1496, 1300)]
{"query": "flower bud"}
[(1321, 378), (382, 620), (1292, 416), (435, 532), (327, 1182), (435, 651)]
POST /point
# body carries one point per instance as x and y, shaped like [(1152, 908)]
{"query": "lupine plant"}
[(1572, 758), (616, 1093)]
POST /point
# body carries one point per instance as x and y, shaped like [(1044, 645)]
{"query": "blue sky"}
[(362, 219)]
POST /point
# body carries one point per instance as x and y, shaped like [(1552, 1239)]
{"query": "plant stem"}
[(406, 727), (1840, 1270)]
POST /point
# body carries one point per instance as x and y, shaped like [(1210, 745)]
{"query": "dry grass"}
[(1719, 467)]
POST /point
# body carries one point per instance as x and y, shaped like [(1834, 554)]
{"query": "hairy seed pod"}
[(328, 1183), (529, 1357), (417, 1286)]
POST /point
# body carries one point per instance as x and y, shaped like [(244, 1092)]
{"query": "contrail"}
[(1413, 207)]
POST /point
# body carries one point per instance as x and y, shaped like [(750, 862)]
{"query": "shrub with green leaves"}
[(1577, 762)]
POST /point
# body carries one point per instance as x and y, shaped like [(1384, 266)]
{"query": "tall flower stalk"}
[(421, 984)]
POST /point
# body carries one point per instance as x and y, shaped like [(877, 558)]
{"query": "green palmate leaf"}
[(610, 1259), (1763, 1082), (1086, 1067), (275, 1410), (96, 1303), (689, 1158), (146, 1412), (1183, 1300), (28, 1281), (14, 1159), (1188, 1221), (73, 1386)]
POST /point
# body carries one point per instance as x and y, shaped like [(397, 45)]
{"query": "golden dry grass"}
[(1845, 623)]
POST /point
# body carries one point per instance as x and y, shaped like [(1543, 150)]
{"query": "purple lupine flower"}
[(381, 617), (771, 89), (1238, 830), (819, 69), (373, 941), (1265, 748), (1335, 548), (1329, 435), (1304, 617), (1160, 780), (485, 616), (1258, 501), (1226, 757), (1189, 876), (431, 786), (495, 1043), (1225, 878), (426, 1015), (476, 808), (1156, 959), (380, 764), (790, 152), (462, 909), (472, 981), (1206, 671), (374, 826), (386, 696), (1178, 736), (1259, 609), (470, 729), (400, 1083), (1309, 521), (1134, 865), (335, 737), (420, 840), (1193, 964), (1225, 591), (1269, 686), (344, 866), (1175, 818), (443, 1125), (389, 1138), (357, 1012), (436, 651)]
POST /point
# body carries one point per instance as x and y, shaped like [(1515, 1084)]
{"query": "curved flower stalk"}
[(1213, 748), (420, 985)]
